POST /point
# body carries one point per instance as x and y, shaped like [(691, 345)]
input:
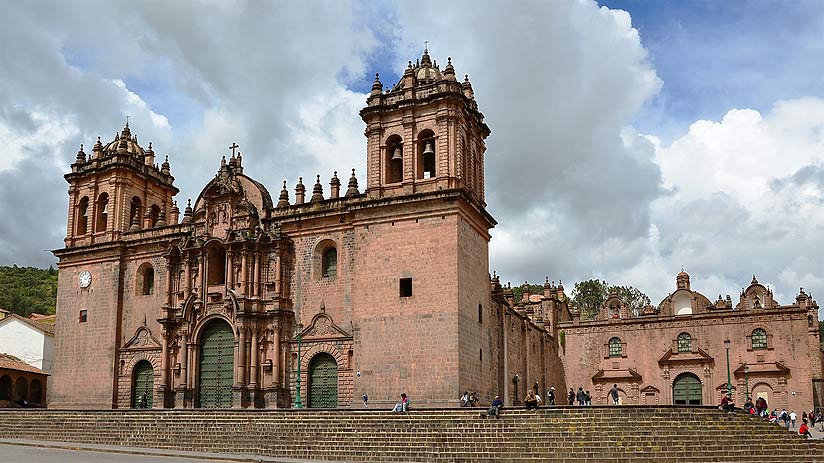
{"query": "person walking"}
[(614, 394), (581, 396), (571, 396), (365, 400), (550, 396), (793, 417)]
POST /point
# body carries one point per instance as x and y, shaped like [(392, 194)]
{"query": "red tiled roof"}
[(44, 327), (11, 362)]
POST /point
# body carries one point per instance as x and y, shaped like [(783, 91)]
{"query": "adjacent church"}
[(376, 287)]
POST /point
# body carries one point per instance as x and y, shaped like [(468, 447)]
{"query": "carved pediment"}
[(768, 368), (650, 390), (142, 340), (622, 375), (323, 327), (700, 356)]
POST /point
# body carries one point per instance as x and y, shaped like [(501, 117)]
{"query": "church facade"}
[(376, 288), (311, 300)]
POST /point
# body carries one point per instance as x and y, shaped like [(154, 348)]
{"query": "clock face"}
[(85, 279)]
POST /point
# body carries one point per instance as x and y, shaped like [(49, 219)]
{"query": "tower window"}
[(330, 262), (406, 287), (480, 313), (426, 156), (83, 315), (83, 216), (134, 214), (394, 159), (102, 212), (145, 278), (154, 215), (684, 342), (759, 339)]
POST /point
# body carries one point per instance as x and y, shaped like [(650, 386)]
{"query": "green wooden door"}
[(142, 383), (686, 390), (323, 382), (216, 365)]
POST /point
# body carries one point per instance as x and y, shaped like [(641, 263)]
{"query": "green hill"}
[(25, 290)]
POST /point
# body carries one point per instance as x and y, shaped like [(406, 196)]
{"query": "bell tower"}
[(118, 188), (425, 134)]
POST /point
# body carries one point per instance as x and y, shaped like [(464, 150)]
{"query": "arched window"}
[(329, 262), (134, 214), (36, 395), (217, 265), (5, 388), (154, 215), (102, 220), (684, 342), (759, 339), (145, 279), (83, 216), (394, 159), (615, 348), (426, 154)]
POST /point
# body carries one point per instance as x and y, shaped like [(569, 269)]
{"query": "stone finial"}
[(135, 225), (175, 213), (165, 167), (449, 71), (317, 191), (223, 161), (467, 87), (283, 199), (376, 85), (754, 280), (149, 159), (161, 218), (334, 186), (300, 192), (352, 188), (187, 213), (98, 148), (81, 155)]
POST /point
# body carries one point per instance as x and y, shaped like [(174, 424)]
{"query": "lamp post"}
[(298, 402), (729, 379), (747, 380)]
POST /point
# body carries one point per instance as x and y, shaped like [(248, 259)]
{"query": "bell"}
[(396, 155), (428, 149)]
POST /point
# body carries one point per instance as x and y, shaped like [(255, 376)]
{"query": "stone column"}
[(241, 364), (256, 274), (277, 357), (278, 274), (230, 270), (184, 360), (253, 381), (187, 272), (164, 359), (244, 286)]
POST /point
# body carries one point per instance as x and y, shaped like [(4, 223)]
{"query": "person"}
[(142, 401), (495, 409), (761, 406), (473, 399), (550, 396), (365, 400), (587, 398), (727, 404), (748, 405), (465, 399), (538, 400), (581, 397), (804, 430), (403, 405), (614, 394), (772, 417), (804, 417), (793, 417), (530, 400), (785, 417), (23, 402), (571, 396)]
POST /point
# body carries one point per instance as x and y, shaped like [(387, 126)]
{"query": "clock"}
[(85, 279)]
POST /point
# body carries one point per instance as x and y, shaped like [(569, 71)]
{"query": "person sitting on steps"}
[(530, 401), (495, 409), (403, 405), (726, 403)]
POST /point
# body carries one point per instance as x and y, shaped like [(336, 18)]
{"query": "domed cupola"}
[(124, 143), (426, 72)]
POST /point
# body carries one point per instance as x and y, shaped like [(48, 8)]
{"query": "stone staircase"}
[(562, 434)]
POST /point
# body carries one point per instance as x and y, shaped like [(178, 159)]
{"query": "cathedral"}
[(373, 288)]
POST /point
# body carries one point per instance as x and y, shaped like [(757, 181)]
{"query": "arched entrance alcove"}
[(216, 365), (762, 390), (323, 381), (142, 382), (686, 390)]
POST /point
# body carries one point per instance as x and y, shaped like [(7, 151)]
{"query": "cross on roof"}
[(233, 148)]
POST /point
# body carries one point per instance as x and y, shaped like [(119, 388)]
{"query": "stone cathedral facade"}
[(376, 288), (371, 288)]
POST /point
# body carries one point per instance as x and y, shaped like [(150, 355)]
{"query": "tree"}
[(589, 295), (518, 291), (26, 290)]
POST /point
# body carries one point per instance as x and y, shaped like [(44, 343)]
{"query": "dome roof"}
[(124, 143)]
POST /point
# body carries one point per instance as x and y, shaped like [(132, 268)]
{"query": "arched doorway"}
[(762, 390), (142, 383), (216, 365), (686, 390), (323, 381)]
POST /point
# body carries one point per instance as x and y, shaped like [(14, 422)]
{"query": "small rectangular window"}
[(406, 287), (481, 355), (82, 316)]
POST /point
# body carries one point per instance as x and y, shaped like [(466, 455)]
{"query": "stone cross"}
[(233, 148)]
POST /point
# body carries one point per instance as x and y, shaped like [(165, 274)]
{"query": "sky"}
[(629, 138)]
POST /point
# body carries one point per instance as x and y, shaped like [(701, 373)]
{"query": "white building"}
[(29, 340)]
